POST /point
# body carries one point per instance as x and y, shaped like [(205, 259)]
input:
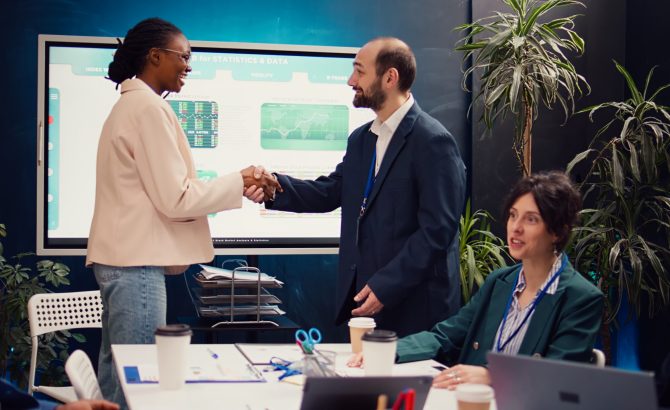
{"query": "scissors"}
[(308, 339)]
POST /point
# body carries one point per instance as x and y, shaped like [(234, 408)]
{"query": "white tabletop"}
[(271, 395)]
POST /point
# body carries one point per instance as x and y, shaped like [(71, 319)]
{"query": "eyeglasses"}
[(185, 57)]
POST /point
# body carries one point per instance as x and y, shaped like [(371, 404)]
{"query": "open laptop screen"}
[(360, 393), (522, 382)]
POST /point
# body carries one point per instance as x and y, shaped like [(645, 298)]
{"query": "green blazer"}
[(564, 325)]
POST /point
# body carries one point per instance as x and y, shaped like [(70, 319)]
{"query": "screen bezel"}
[(77, 246)]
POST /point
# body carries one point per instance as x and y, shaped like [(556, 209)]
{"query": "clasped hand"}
[(259, 184)]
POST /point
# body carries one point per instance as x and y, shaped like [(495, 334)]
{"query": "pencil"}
[(382, 401)]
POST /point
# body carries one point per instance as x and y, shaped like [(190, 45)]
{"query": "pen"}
[(255, 371), (216, 357)]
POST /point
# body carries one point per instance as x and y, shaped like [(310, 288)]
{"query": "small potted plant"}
[(18, 283)]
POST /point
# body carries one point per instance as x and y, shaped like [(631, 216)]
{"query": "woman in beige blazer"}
[(150, 215)]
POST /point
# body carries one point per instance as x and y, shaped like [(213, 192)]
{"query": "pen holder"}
[(321, 364)]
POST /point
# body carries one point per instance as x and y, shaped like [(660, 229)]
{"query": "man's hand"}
[(89, 405), (257, 180), (371, 305), (254, 193)]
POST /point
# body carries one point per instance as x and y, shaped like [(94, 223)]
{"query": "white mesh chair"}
[(598, 357), (49, 312), (82, 376)]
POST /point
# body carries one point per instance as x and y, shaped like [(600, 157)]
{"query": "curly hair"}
[(557, 199), (130, 55)]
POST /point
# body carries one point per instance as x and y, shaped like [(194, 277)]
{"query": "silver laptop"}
[(528, 383)]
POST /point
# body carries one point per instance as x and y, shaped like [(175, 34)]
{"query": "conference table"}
[(269, 395)]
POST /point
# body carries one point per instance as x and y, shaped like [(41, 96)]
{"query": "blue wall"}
[(308, 297)]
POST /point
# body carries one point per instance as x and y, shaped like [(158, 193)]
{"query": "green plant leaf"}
[(635, 93), (577, 159)]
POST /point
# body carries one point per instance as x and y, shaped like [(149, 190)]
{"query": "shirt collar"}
[(392, 122), (132, 84), (521, 282)]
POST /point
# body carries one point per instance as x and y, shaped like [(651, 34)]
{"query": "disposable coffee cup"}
[(357, 327), (474, 396), (172, 346), (379, 347)]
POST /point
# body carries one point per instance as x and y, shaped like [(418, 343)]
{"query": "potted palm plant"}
[(624, 240), (523, 63), (481, 252)]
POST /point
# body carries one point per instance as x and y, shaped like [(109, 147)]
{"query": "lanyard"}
[(500, 346), (370, 183)]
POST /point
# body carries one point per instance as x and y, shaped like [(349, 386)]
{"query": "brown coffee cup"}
[(358, 326), (471, 396)]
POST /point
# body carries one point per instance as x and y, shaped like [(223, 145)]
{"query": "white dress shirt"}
[(385, 130)]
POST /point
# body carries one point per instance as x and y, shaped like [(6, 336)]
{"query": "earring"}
[(555, 250)]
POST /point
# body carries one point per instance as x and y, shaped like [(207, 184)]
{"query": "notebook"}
[(360, 393), (525, 383)]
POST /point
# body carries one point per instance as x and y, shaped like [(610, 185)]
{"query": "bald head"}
[(392, 52)]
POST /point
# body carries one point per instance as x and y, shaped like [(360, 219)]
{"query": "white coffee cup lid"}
[(367, 322), (474, 393)]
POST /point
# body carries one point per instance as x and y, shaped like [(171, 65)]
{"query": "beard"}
[(373, 99)]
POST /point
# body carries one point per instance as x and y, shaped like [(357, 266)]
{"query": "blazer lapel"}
[(367, 148), (544, 316), (395, 146), (499, 296)]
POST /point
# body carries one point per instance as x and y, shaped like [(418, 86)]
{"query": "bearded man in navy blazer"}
[(401, 187)]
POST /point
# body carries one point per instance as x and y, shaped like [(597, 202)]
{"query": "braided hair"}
[(130, 55)]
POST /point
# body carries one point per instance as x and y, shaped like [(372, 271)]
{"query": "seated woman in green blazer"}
[(541, 307)]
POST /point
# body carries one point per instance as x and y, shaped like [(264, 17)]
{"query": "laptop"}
[(360, 393), (525, 383)]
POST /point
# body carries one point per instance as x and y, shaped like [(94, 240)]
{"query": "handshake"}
[(259, 184)]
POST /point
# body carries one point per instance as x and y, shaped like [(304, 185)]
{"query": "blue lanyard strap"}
[(370, 183), (499, 345)]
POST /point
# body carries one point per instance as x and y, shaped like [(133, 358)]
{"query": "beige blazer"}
[(150, 209)]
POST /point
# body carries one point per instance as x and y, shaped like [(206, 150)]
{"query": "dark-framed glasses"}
[(185, 57)]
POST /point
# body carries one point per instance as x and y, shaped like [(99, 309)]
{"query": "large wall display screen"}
[(285, 107)]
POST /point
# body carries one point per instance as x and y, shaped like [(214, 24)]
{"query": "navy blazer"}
[(405, 247)]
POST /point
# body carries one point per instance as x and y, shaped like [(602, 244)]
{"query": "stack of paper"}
[(214, 273), (236, 293)]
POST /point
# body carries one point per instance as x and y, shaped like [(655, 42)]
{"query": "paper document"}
[(212, 272), (206, 365), (212, 373), (420, 368), (257, 353)]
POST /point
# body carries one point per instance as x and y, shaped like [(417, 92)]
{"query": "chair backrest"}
[(598, 357), (49, 312), (82, 376)]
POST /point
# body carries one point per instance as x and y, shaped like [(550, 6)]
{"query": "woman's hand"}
[(356, 360), (462, 373)]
